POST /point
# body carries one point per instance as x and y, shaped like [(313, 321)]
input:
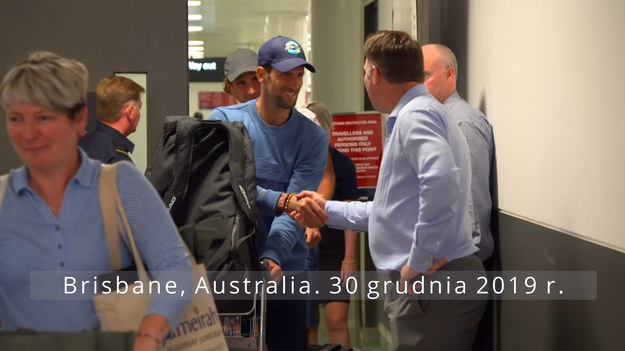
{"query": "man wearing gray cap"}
[(290, 153), (240, 80)]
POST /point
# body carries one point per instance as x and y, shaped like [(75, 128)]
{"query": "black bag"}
[(204, 172)]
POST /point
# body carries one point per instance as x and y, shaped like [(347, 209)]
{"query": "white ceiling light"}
[(194, 3), (195, 28), (196, 52), (196, 42), (195, 17)]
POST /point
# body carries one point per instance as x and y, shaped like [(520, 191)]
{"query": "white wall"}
[(108, 37), (337, 37), (551, 76)]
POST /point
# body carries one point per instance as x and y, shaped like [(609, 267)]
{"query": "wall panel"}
[(148, 36)]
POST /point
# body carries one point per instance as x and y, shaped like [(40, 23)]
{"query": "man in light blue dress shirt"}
[(419, 219)]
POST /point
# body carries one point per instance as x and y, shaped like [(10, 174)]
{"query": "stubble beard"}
[(282, 102)]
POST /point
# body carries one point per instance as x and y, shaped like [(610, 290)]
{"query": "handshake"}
[(307, 209)]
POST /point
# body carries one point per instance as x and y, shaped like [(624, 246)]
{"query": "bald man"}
[(441, 70)]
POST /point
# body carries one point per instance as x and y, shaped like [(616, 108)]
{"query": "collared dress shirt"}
[(479, 135), (32, 239), (420, 210)]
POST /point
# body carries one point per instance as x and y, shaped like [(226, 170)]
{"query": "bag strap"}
[(169, 128), (4, 182), (185, 137), (113, 212), (129, 238), (108, 181), (182, 130)]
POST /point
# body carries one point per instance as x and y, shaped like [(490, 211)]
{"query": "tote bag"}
[(199, 328), (63, 341)]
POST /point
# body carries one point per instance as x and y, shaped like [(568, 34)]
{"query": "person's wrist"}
[(149, 336), (280, 204), (290, 199)]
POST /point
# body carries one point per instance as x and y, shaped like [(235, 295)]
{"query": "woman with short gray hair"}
[(51, 220)]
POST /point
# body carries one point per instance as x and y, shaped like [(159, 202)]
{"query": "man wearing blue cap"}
[(290, 154)]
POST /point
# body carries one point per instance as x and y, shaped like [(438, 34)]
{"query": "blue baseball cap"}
[(283, 54)]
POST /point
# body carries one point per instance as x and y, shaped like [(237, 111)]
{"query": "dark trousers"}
[(485, 338), (286, 319), (286, 325), (427, 324)]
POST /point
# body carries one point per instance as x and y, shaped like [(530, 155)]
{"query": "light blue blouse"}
[(32, 239)]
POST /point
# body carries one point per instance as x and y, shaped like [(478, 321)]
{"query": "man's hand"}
[(309, 210), (313, 237), (275, 271), (313, 214), (407, 274)]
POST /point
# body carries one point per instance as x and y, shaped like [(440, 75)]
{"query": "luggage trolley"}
[(246, 331)]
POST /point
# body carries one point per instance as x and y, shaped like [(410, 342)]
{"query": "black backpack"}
[(204, 172)]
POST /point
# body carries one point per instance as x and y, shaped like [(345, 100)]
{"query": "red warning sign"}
[(213, 99), (359, 136)]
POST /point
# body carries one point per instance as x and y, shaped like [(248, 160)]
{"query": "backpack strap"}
[(169, 127), (185, 138), (241, 155), (4, 182)]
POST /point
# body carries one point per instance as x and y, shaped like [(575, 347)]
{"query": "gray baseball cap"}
[(240, 61)]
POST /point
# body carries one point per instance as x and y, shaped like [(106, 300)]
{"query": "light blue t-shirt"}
[(288, 158)]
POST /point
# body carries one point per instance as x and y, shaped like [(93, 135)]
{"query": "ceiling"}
[(231, 24)]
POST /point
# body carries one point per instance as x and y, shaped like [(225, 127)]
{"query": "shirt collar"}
[(412, 93), (119, 139), (85, 176), (453, 97)]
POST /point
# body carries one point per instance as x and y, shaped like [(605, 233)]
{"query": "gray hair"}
[(448, 59), (322, 113), (47, 80)]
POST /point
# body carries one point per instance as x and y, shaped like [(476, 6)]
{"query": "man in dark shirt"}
[(118, 105)]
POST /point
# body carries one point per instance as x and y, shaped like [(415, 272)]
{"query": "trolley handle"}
[(263, 266)]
